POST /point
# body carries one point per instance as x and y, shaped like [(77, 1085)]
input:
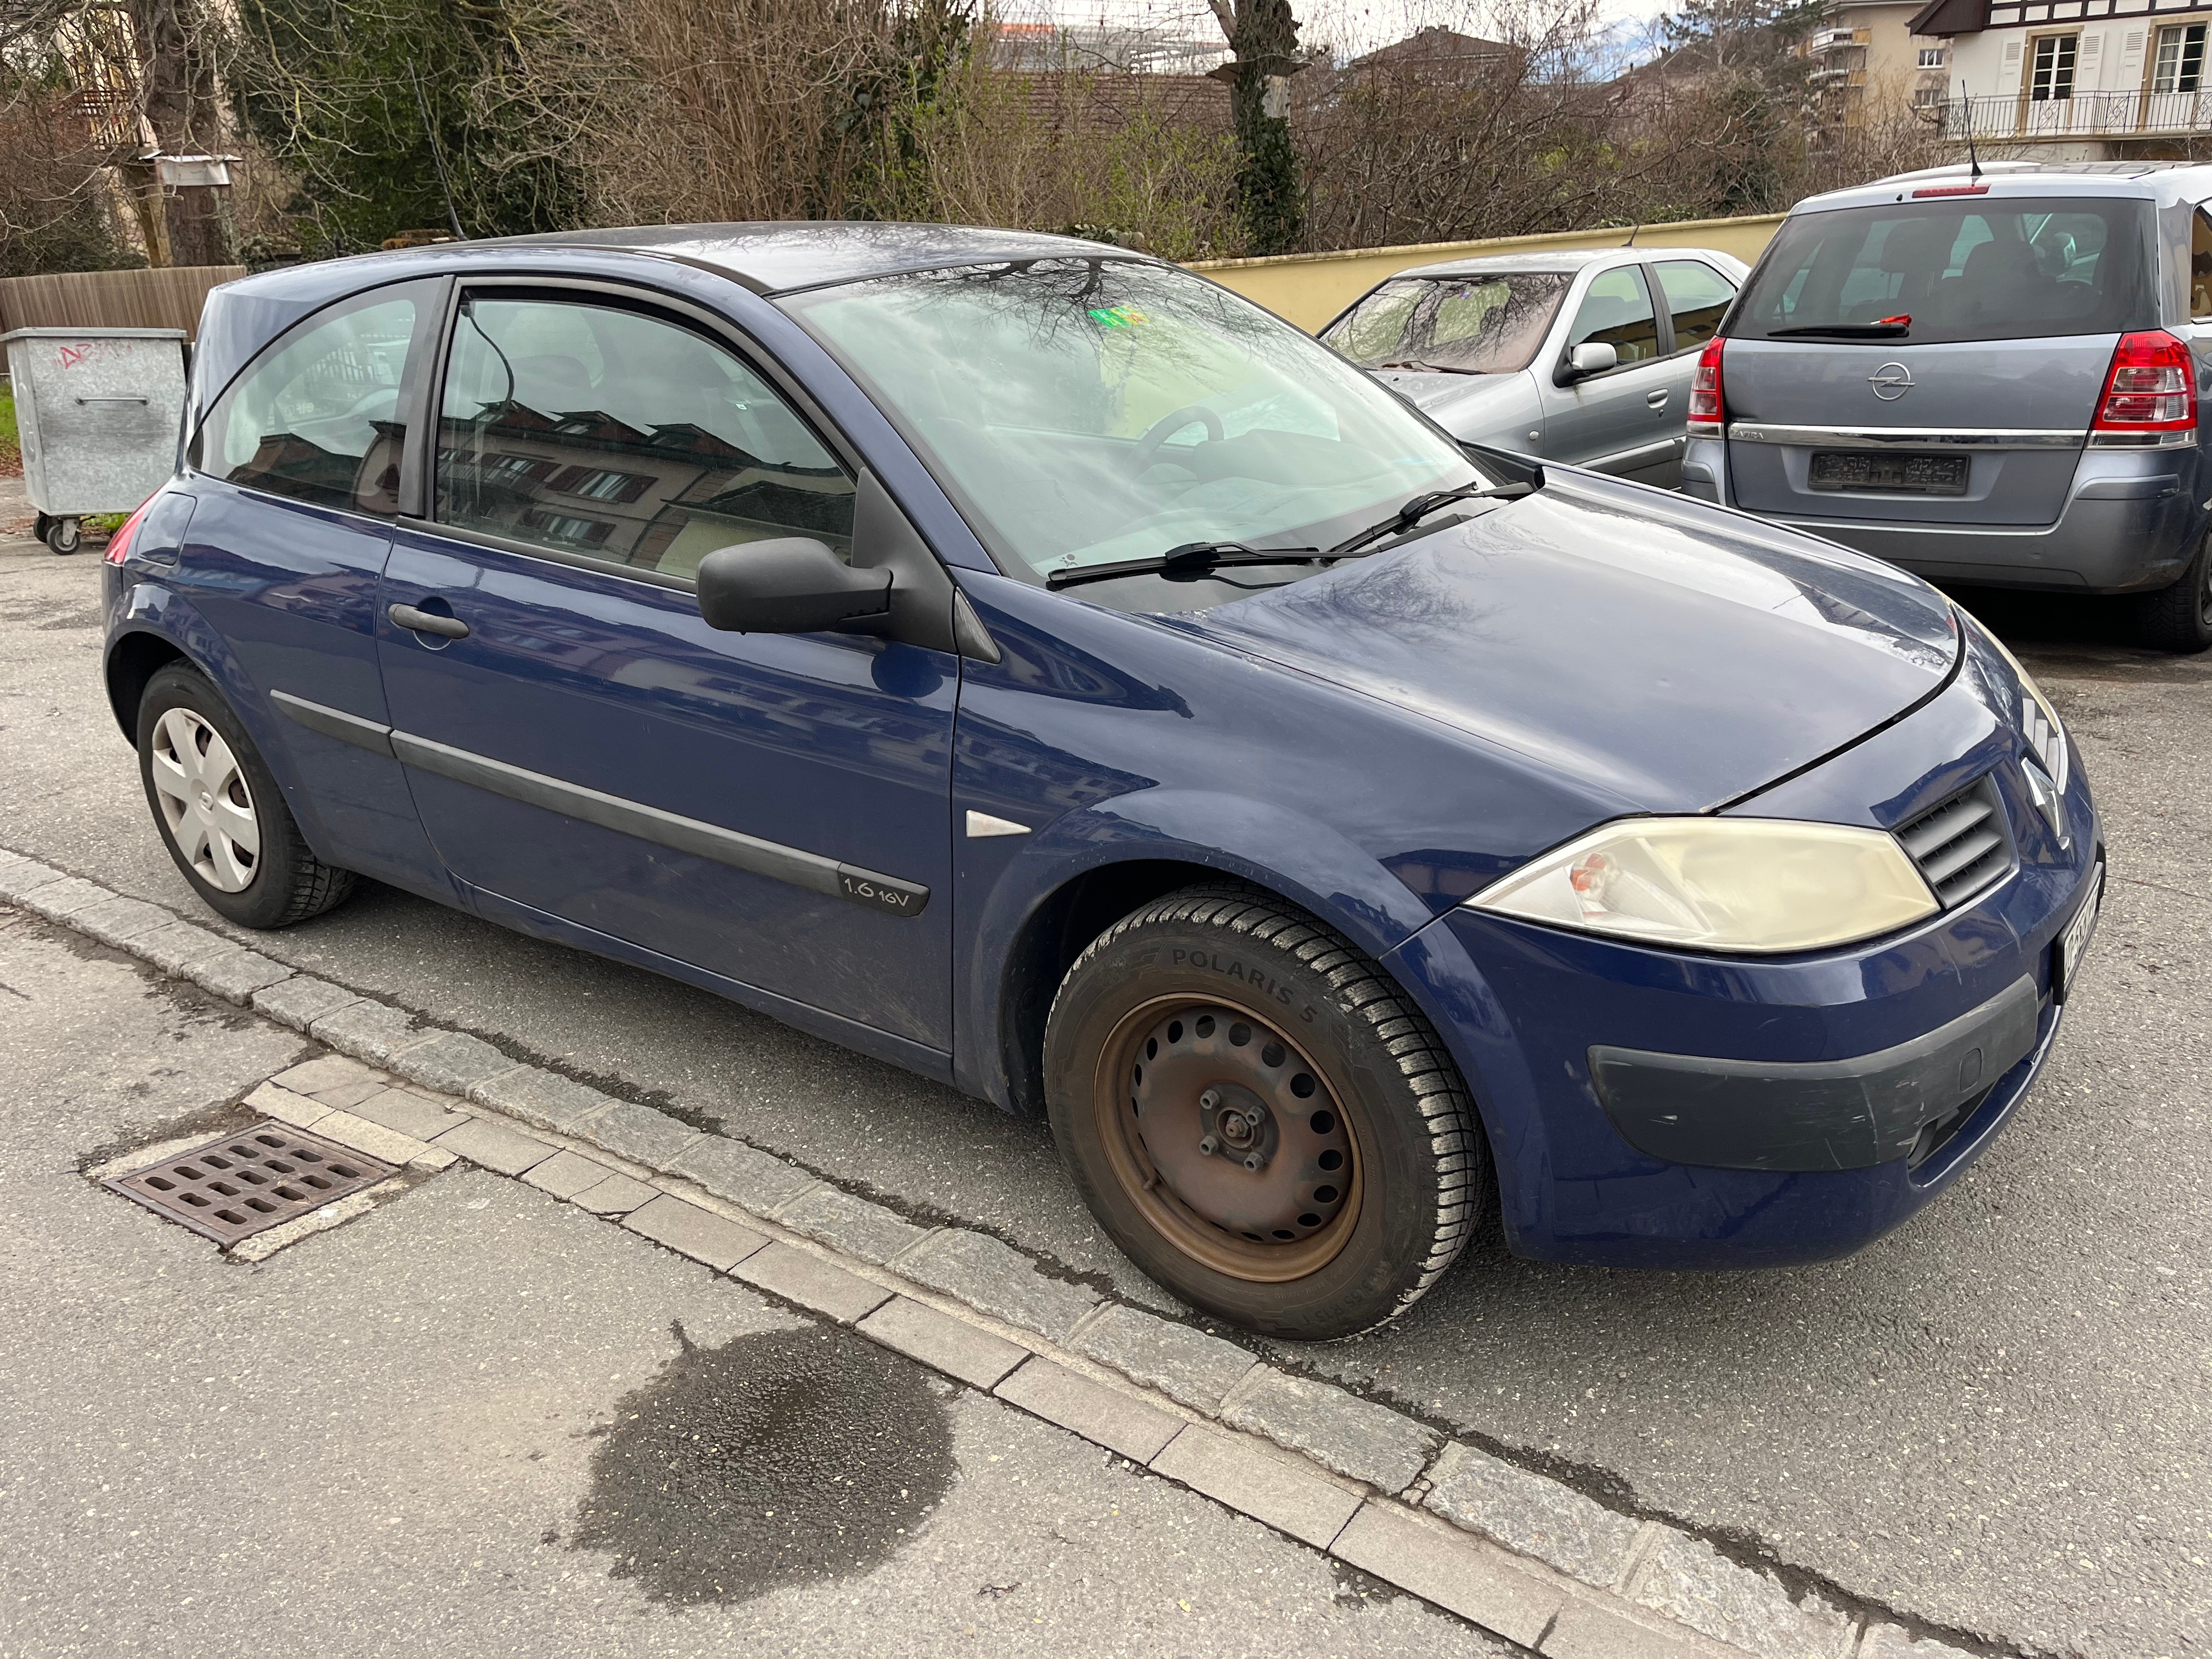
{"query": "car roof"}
[(776, 256), (2170, 181), (1490, 265)]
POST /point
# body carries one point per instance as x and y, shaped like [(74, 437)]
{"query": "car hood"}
[(1671, 654), (1429, 390)]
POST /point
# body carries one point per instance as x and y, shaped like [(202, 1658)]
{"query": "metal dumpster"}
[(97, 411)]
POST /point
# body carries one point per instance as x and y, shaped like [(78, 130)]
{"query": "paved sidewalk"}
[(445, 1425)]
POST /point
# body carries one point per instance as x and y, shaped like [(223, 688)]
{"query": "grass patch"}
[(11, 452)]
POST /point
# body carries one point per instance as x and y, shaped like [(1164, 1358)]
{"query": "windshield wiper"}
[(1420, 367), (1192, 558), (1842, 332), (1421, 506)]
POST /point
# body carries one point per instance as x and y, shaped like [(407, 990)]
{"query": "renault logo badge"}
[(1891, 381)]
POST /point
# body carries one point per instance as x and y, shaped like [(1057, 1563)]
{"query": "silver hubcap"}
[(205, 804)]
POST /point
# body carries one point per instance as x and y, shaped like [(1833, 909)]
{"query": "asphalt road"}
[(1995, 1420), (479, 1421)]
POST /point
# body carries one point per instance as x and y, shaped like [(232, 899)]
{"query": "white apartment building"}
[(2077, 80)]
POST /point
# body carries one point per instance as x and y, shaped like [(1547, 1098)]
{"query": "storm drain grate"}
[(245, 1184)]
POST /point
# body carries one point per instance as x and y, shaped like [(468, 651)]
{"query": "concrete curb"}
[(1513, 1551)]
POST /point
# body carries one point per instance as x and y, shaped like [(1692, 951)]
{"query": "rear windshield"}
[(1462, 324), (1929, 272)]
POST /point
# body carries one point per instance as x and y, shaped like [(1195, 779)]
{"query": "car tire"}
[(220, 812), (1312, 1162), (2180, 618)]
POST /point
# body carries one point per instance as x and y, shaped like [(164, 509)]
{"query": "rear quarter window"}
[(1985, 269)]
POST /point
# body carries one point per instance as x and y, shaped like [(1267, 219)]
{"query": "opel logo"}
[(1891, 381)]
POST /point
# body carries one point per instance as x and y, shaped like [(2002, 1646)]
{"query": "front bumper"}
[(1654, 1108), (1820, 1114)]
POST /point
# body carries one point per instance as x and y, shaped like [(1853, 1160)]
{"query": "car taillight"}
[(2150, 387), (118, 544), (1708, 410)]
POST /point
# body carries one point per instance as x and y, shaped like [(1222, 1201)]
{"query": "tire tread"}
[(1363, 989)]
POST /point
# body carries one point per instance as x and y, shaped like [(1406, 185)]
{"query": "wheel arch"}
[(133, 658), (1055, 932)]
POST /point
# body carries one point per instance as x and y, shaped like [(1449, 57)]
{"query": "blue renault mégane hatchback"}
[(1026, 662)]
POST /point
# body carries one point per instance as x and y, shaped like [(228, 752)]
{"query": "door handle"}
[(428, 622), (1657, 400)]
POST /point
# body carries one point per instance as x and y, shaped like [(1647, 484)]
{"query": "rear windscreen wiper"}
[(1421, 506), (1895, 328), (1192, 558)]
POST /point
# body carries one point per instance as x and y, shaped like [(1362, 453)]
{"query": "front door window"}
[(1617, 311), (604, 433)]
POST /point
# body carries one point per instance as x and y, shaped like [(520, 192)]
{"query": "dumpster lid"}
[(92, 334)]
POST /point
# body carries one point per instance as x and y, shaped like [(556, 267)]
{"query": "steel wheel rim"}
[(2204, 595), (205, 803), (1204, 1203)]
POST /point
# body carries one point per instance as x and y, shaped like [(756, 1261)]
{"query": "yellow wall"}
[(1310, 288)]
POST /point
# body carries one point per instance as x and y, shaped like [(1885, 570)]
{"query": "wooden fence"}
[(112, 299)]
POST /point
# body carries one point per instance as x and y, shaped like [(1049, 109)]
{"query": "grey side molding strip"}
[(750, 853), (335, 723)]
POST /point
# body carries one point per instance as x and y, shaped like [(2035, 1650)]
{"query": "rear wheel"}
[(2179, 617), (220, 812), (1260, 1118)]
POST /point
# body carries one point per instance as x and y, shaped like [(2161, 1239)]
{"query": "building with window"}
[(2077, 80), (1867, 61)]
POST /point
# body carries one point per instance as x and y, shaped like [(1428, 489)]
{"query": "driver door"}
[(1627, 420), (581, 745)]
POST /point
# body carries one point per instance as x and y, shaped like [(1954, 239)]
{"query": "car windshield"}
[(1934, 273), (1091, 411), (1468, 325)]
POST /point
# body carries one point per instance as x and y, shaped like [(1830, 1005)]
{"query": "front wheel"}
[(1259, 1117), (2180, 618), (220, 812)]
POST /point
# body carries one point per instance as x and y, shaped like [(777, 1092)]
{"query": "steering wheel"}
[(1148, 446)]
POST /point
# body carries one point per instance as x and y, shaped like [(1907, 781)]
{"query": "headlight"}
[(2038, 720), (1749, 884)]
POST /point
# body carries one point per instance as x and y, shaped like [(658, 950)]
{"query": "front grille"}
[(1960, 844)]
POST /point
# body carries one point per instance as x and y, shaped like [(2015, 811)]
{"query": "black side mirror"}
[(791, 585)]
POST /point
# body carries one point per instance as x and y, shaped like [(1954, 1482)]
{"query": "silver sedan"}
[(1577, 357)]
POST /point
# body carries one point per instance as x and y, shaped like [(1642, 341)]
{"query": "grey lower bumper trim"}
[(707, 841), (1824, 1114)]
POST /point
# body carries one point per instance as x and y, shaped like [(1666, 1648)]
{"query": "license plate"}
[(2074, 943), (1890, 475)]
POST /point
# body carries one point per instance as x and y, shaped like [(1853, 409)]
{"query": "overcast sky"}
[(1348, 25)]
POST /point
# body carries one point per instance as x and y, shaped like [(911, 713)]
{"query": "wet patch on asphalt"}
[(775, 1459)]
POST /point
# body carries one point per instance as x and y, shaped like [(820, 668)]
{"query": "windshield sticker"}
[(1118, 316)]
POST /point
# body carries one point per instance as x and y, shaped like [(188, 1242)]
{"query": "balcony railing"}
[(2085, 115)]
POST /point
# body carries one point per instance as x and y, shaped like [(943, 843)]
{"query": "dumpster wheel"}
[(63, 534)]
